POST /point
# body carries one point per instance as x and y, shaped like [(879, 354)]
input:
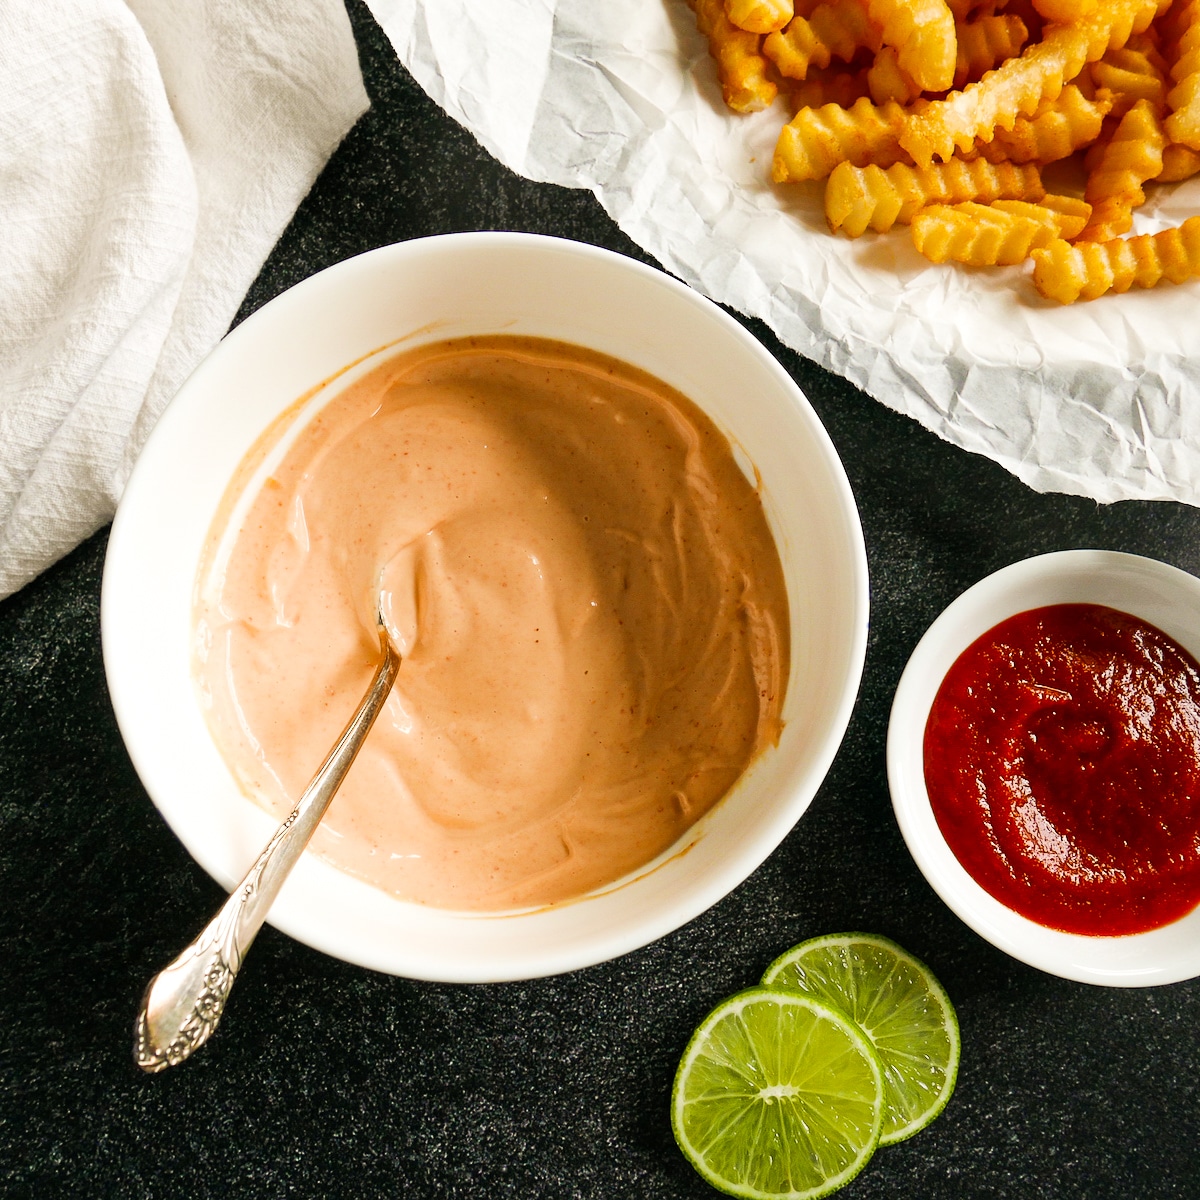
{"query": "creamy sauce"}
[(588, 601)]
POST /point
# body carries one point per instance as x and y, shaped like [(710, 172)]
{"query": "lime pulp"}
[(778, 1095), (895, 999)]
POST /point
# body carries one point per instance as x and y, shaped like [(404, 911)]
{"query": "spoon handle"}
[(184, 1001)]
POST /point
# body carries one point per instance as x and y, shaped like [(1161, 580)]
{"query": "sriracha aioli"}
[(583, 586), (1062, 761)]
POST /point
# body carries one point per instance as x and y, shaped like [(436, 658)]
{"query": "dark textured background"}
[(328, 1080)]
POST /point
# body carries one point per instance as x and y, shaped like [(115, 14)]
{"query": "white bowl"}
[(1163, 595), (432, 289)]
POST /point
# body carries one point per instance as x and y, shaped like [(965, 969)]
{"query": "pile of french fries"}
[(942, 114)]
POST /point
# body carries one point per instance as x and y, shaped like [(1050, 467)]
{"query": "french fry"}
[(1037, 80), (832, 31), (922, 31), (986, 42), (1060, 12), (759, 16), (1183, 100), (815, 140), (1179, 163), (888, 80), (982, 235), (1026, 11), (1129, 75), (961, 10), (1114, 188), (861, 198), (843, 88), (1068, 214), (1054, 132), (741, 70), (1086, 270), (1021, 84)]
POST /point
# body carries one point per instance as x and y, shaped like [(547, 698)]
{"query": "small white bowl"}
[(427, 290), (1163, 595)]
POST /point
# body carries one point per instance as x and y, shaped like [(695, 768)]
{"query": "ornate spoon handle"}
[(184, 1001)]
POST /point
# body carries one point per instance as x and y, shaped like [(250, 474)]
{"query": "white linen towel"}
[(151, 154)]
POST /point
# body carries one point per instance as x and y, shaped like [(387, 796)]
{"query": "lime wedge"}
[(900, 1006), (779, 1095)]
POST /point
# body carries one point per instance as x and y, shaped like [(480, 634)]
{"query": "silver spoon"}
[(184, 1001)]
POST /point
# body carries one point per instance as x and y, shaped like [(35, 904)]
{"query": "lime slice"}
[(901, 1007), (778, 1094)]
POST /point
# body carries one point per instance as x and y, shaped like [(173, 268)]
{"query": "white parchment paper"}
[(1099, 399)]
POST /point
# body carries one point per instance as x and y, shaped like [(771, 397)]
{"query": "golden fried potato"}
[(741, 69), (832, 31), (843, 88), (961, 10), (1068, 214), (888, 80), (1128, 75), (1183, 100), (1066, 272), (981, 235), (1179, 163), (985, 43), (759, 16), (1038, 80), (1055, 131), (1059, 12), (1114, 187), (815, 140), (922, 31), (1021, 84), (861, 198)]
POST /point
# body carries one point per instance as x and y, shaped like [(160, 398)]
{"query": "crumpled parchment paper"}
[(1098, 399)]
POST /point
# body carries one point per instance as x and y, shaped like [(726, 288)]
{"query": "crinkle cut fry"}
[(1086, 270), (1059, 11), (815, 140), (961, 10), (759, 16), (1068, 214), (922, 31), (982, 236), (1133, 156), (1179, 163), (986, 41), (1183, 100), (870, 197), (843, 88), (1054, 132), (832, 31), (742, 71), (1129, 75), (887, 80), (1018, 86)]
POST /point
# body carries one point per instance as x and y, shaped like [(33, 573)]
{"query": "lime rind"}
[(901, 1007), (778, 1096)]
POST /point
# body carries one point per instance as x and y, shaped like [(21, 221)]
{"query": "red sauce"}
[(1062, 760)]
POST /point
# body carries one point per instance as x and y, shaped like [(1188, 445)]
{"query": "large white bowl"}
[(1163, 595), (432, 289)]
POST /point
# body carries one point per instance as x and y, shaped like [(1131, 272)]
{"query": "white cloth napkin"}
[(151, 154)]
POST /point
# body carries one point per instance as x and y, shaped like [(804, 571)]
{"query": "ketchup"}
[(1062, 761)]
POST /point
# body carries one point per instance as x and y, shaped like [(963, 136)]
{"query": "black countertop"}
[(329, 1080)]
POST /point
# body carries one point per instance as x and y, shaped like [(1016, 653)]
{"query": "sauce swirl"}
[(1062, 762), (583, 585)]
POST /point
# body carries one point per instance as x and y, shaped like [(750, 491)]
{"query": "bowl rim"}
[(119, 565), (1158, 956)]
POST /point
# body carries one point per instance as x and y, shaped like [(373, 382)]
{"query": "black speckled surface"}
[(328, 1080)]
